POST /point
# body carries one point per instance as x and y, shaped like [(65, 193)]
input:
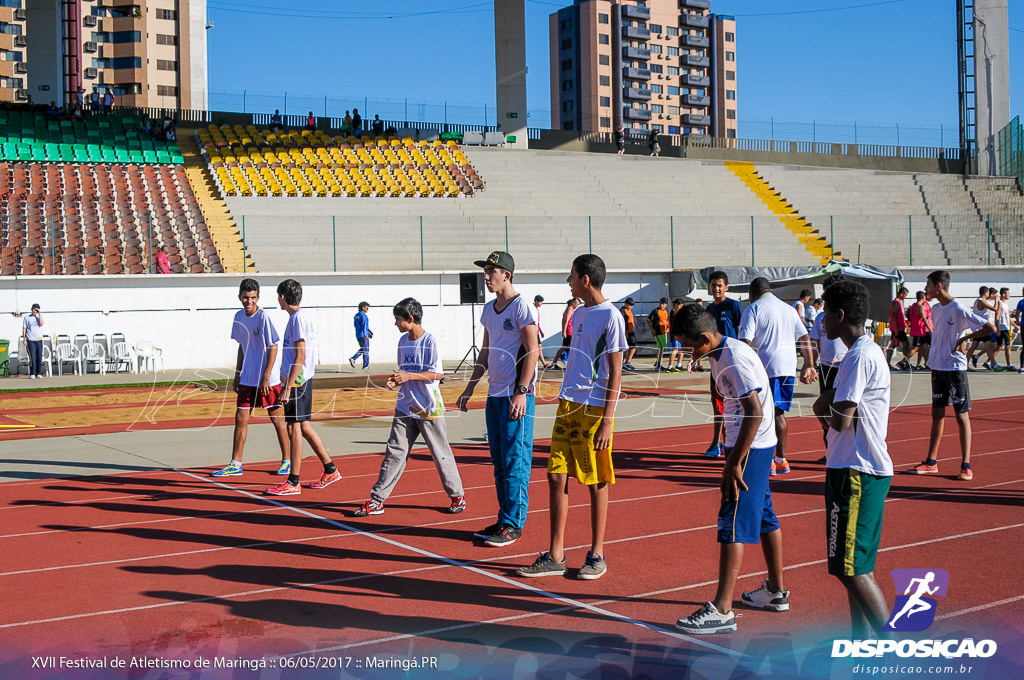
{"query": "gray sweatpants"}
[(404, 431)]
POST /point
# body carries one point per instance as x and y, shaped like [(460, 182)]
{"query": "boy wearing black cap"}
[(509, 357)]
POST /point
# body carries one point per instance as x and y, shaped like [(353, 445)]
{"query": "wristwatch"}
[(522, 389)]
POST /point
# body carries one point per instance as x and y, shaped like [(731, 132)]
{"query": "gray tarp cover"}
[(740, 277)]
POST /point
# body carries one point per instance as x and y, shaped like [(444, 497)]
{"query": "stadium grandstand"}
[(101, 196)]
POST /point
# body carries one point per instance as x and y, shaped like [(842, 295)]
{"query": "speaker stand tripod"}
[(473, 349)]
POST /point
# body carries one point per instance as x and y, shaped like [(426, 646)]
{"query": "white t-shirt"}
[(597, 331), (863, 380), (799, 307), (773, 327), (32, 329), (416, 398), (506, 351), (950, 322), (738, 371), (829, 351), (256, 334), (300, 327), (989, 314)]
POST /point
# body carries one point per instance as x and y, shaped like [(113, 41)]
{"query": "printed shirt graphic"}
[(737, 372), (863, 380), (416, 398), (256, 334), (300, 327), (950, 322), (915, 605), (830, 352), (727, 315), (506, 351), (773, 327), (598, 331)]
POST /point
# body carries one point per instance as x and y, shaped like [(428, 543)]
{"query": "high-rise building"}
[(149, 53), (666, 65)]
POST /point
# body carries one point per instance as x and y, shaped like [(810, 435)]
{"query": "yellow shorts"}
[(572, 445)]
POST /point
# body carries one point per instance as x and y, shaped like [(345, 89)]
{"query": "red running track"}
[(173, 564)]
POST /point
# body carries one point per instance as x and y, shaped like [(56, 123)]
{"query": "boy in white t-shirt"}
[(858, 471), (257, 381), (581, 442), (509, 357), (948, 363), (298, 365), (418, 411), (746, 514)]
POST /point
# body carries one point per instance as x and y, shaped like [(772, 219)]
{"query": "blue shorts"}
[(745, 519), (675, 344), (782, 392)]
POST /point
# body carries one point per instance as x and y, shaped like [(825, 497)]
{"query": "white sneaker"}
[(762, 598), (32, 377), (708, 620)]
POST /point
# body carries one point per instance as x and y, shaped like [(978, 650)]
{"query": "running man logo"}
[(914, 610)]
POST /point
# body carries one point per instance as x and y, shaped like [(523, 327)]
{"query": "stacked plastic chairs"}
[(247, 161)]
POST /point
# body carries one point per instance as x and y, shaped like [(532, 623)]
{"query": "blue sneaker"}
[(715, 451), (285, 469), (231, 470)]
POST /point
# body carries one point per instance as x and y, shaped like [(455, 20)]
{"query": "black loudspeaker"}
[(471, 288)]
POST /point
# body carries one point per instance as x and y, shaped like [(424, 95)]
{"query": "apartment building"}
[(666, 65), (149, 53)]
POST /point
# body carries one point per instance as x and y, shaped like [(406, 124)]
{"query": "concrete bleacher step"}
[(223, 231)]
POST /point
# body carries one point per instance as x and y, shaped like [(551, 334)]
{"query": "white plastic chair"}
[(93, 351), (121, 353), (47, 362), (147, 354), (66, 353)]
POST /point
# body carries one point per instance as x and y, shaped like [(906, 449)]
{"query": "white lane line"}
[(575, 604), (979, 608)]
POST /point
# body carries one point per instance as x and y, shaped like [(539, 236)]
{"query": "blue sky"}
[(825, 69)]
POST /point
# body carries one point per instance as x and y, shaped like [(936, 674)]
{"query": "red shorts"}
[(716, 400), (250, 397)]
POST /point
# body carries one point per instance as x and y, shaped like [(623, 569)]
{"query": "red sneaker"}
[(284, 489), (924, 469), (326, 480)]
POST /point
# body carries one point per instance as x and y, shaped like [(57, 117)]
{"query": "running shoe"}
[(352, 363), (998, 369), (506, 535), (545, 565), (966, 474), (772, 472), (458, 505), (715, 451), (671, 369), (283, 489), (233, 469), (369, 508), (1021, 371), (631, 367), (987, 366), (488, 531), (924, 469), (326, 479), (708, 620), (781, 465), (285, 469), (594, 567), (974, 360), (763, 598)]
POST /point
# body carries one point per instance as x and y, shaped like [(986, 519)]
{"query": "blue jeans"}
[(35, 357), (364, 351), (511, 444)]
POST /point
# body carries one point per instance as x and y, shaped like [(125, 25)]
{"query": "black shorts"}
[(899, 336), (1003, 339), (827, 377), (950, 388), (920, 340), (300, 403), (630, 339)]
